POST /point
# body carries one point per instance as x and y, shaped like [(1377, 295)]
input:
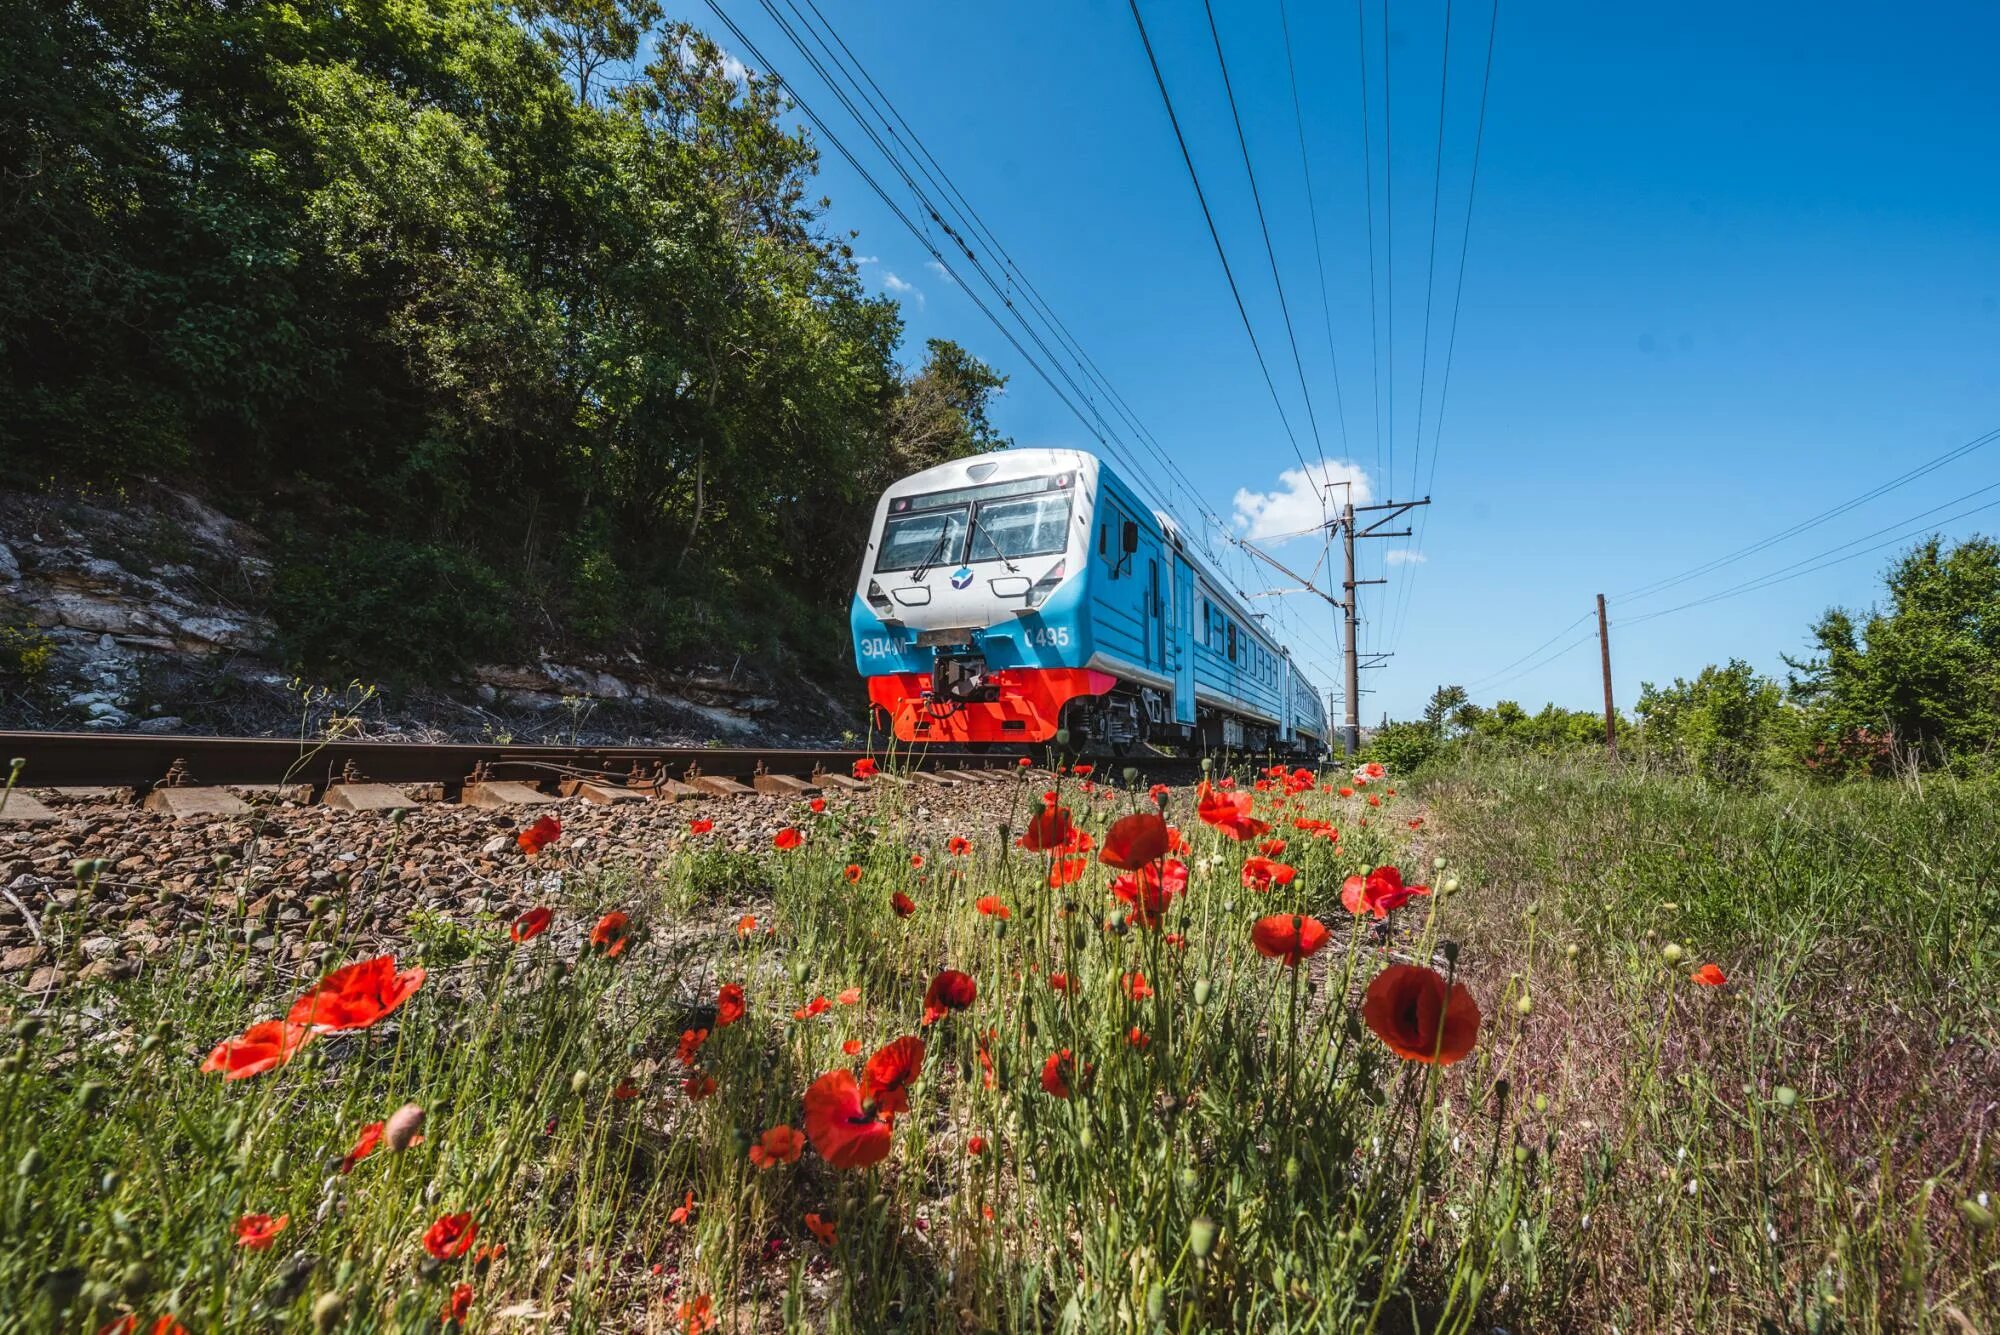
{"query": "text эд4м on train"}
[(1008, 596)]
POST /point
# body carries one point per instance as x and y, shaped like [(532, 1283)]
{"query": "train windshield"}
[(1005, 520)]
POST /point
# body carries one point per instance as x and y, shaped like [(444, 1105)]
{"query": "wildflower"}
[(1272, 848), (817, 805), (916, 861), (371, 1136), (958, 846), (864, 768), (781, 1144), (989, 1078), (355, 996), (975, 1145), (1289, 937), (530, 924), (822, 1229), (486, 1256), (691, 1041), (1059, 981), (1379, 892), (1708, 975), (811, 1008), (1062, 871), (701, 826), (746, 924), (903, 904), (1416, 822), (853, 873), (1083, 771), (852, 1047), (451, 1236), (458, 1306), (846, 1134), (1347, 792), (1229, 813), (404, 1127), (1261, 873), (1374, 799), (259, 1231), (262, 1047), (729, 1004), (1419, 1016), (1151, 889), (539, 835), (1056, 1072), (625, 1090), (991, 906), (1372, 770), (683, 1212), (696, 1315), (1136, 986), (1134, 841), (787, 839), (886, 1079), (698, 1086), (950, 990), (1050, 829), (1138, 1038), (849, 997), (610, 937)]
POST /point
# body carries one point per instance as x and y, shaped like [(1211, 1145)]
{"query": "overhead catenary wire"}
[(1312, 217)]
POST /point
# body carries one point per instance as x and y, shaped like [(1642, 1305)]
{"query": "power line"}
[(1368, 194), (1481, 682), (1389, 243), (1312, 214), (1430, 265)]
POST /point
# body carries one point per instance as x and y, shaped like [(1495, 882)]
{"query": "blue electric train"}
[(1006, 596)]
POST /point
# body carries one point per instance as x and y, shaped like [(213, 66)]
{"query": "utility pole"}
[(1604, 652)]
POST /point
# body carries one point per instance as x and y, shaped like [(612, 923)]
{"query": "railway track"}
[(227, 775)]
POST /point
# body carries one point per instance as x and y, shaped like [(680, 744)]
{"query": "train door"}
[(1184, 633), (1156, 621)]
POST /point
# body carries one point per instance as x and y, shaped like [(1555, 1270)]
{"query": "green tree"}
[(1722, 724)]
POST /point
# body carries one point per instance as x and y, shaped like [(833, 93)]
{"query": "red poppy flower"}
[(682, 1212), (530, 924), (1412, 1009), (696, 1315), (817, 805), (539, 835), (625, 1090), (787, 838), (823, 1230), (356, 995), (1416, 822), (975, 1145), (1056, 1072), (1049, 830), (1083, 771), (1229, 813), (903, 904), (1261, 873), (958, 846), (1272, 848), (845, 1133), (950, 990), (1135, 840), (1138, 1038), (1151, 889), (691, 1041), (864, 768), (1373, 770), (991, 906), (1379, 892), (729, 1004), (1347, 792), (1289, 937), (698, 1086), (609, 937), (886, 1079), (852, 873), (811, 1008), (1062, 871), (746, 924), (781, 1144), (459, 1305), (916, 861), (702, 826), (258, 1231), (1708, 975), (451, 1236), (1136, 986), (1374, 800), (852, 1047), (262, 1047), (849, 996), (1024, 762), (371, 1136)]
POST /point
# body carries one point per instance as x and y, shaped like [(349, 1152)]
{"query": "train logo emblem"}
[(961, 577)]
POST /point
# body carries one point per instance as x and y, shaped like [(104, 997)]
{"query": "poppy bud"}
[(1570, 951), (403, 1126), (224, 861), (1292, 1170), (62, 1285), (1201, 1233), (399, 815), (1671, 953), (90, 1095), (1450, 949), (579, 1081), (1449, 886), (1062, 736), (1977, 1215), (31, 1163), (27, 1028), (135, 1283), (1785, 1095), (1190, 1180), (1541, 1103), (1131, 774), (1202, 989), (110, 1182), (1524, 1005), (318, 905), (98, 1295), (1085, 1139), (1156, 1301), (328, 1311)]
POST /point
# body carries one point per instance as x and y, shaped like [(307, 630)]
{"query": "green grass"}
[(1261, 1162)]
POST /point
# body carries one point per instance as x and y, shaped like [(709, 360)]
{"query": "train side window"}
[(1232, 641), (1100, 539)]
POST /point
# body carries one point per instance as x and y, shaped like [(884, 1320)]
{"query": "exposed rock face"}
[(153, 605)]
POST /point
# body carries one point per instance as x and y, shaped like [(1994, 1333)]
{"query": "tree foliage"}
[(544, 286)]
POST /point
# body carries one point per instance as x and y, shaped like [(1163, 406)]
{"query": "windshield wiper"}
[(973, 531), (937, 550)]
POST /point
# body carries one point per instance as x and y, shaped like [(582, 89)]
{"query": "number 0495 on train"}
[(1009, 595)]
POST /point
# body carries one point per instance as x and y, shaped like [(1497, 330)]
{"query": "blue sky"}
[(1729, 266)]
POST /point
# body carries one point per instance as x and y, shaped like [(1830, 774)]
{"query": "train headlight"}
[(1046, 585), (880, 600)]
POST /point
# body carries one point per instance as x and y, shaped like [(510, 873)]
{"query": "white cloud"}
[(1295, 505), (901, 288), (940, 271), (867, 259), (737, 71), (1404, 556)]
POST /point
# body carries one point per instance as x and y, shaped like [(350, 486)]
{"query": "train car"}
[(1007, 596)]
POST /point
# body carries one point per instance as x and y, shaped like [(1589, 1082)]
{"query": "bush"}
[(379, 606), (1722, 725)]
